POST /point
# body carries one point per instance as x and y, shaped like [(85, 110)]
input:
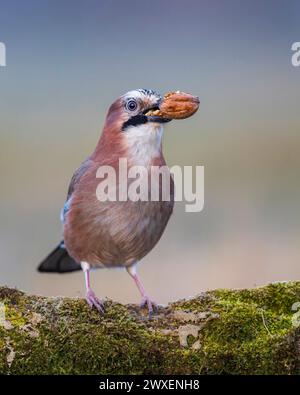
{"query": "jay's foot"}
[(93, 301), (147, 302)]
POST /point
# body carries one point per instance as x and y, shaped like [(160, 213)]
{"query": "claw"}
[(146, 301), (93, 301)]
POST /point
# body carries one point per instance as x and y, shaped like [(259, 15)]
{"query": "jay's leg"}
[(145, 298), (91, 298)]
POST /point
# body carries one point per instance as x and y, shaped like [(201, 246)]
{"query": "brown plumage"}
[(116, 233), (113, 233)]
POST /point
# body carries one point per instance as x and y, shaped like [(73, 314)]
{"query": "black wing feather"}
[(59, 261)]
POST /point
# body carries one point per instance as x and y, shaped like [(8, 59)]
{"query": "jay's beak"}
[(154, 114)]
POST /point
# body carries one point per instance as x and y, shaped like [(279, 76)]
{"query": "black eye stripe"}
[(135, 121)]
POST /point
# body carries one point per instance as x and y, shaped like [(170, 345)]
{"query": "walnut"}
[(178, 105)]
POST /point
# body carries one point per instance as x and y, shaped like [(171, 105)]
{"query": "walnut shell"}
[(178, 105)]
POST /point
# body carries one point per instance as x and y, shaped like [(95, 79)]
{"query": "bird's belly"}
[(119, 234)]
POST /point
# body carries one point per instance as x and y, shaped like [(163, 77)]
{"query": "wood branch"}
[(252, 331)]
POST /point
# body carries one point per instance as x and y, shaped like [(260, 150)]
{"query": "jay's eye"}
[(131, 105)]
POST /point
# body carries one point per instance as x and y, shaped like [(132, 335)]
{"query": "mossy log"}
[(252, 331)]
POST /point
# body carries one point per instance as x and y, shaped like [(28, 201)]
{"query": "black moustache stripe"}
[(135, 121)]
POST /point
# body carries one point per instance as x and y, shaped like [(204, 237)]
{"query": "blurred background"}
[(68, 60)]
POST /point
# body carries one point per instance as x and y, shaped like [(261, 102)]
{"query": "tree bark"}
[(252, 331)]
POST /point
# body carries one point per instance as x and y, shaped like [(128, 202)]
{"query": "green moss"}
[(254, 332), (14, 316), (240, 332)]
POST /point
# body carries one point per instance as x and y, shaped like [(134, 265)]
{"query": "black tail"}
[(59, 261)]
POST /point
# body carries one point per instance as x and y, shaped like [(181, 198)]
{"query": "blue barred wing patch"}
[(65, 210)]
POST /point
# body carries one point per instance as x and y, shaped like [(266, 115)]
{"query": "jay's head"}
[(127, 123), (131, 109)]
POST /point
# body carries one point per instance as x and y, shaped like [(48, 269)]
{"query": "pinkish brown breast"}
[(112, 233)]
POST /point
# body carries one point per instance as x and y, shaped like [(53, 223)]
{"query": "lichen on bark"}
[(252, 331)]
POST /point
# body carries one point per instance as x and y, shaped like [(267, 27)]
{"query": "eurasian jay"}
[(112, 234)]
